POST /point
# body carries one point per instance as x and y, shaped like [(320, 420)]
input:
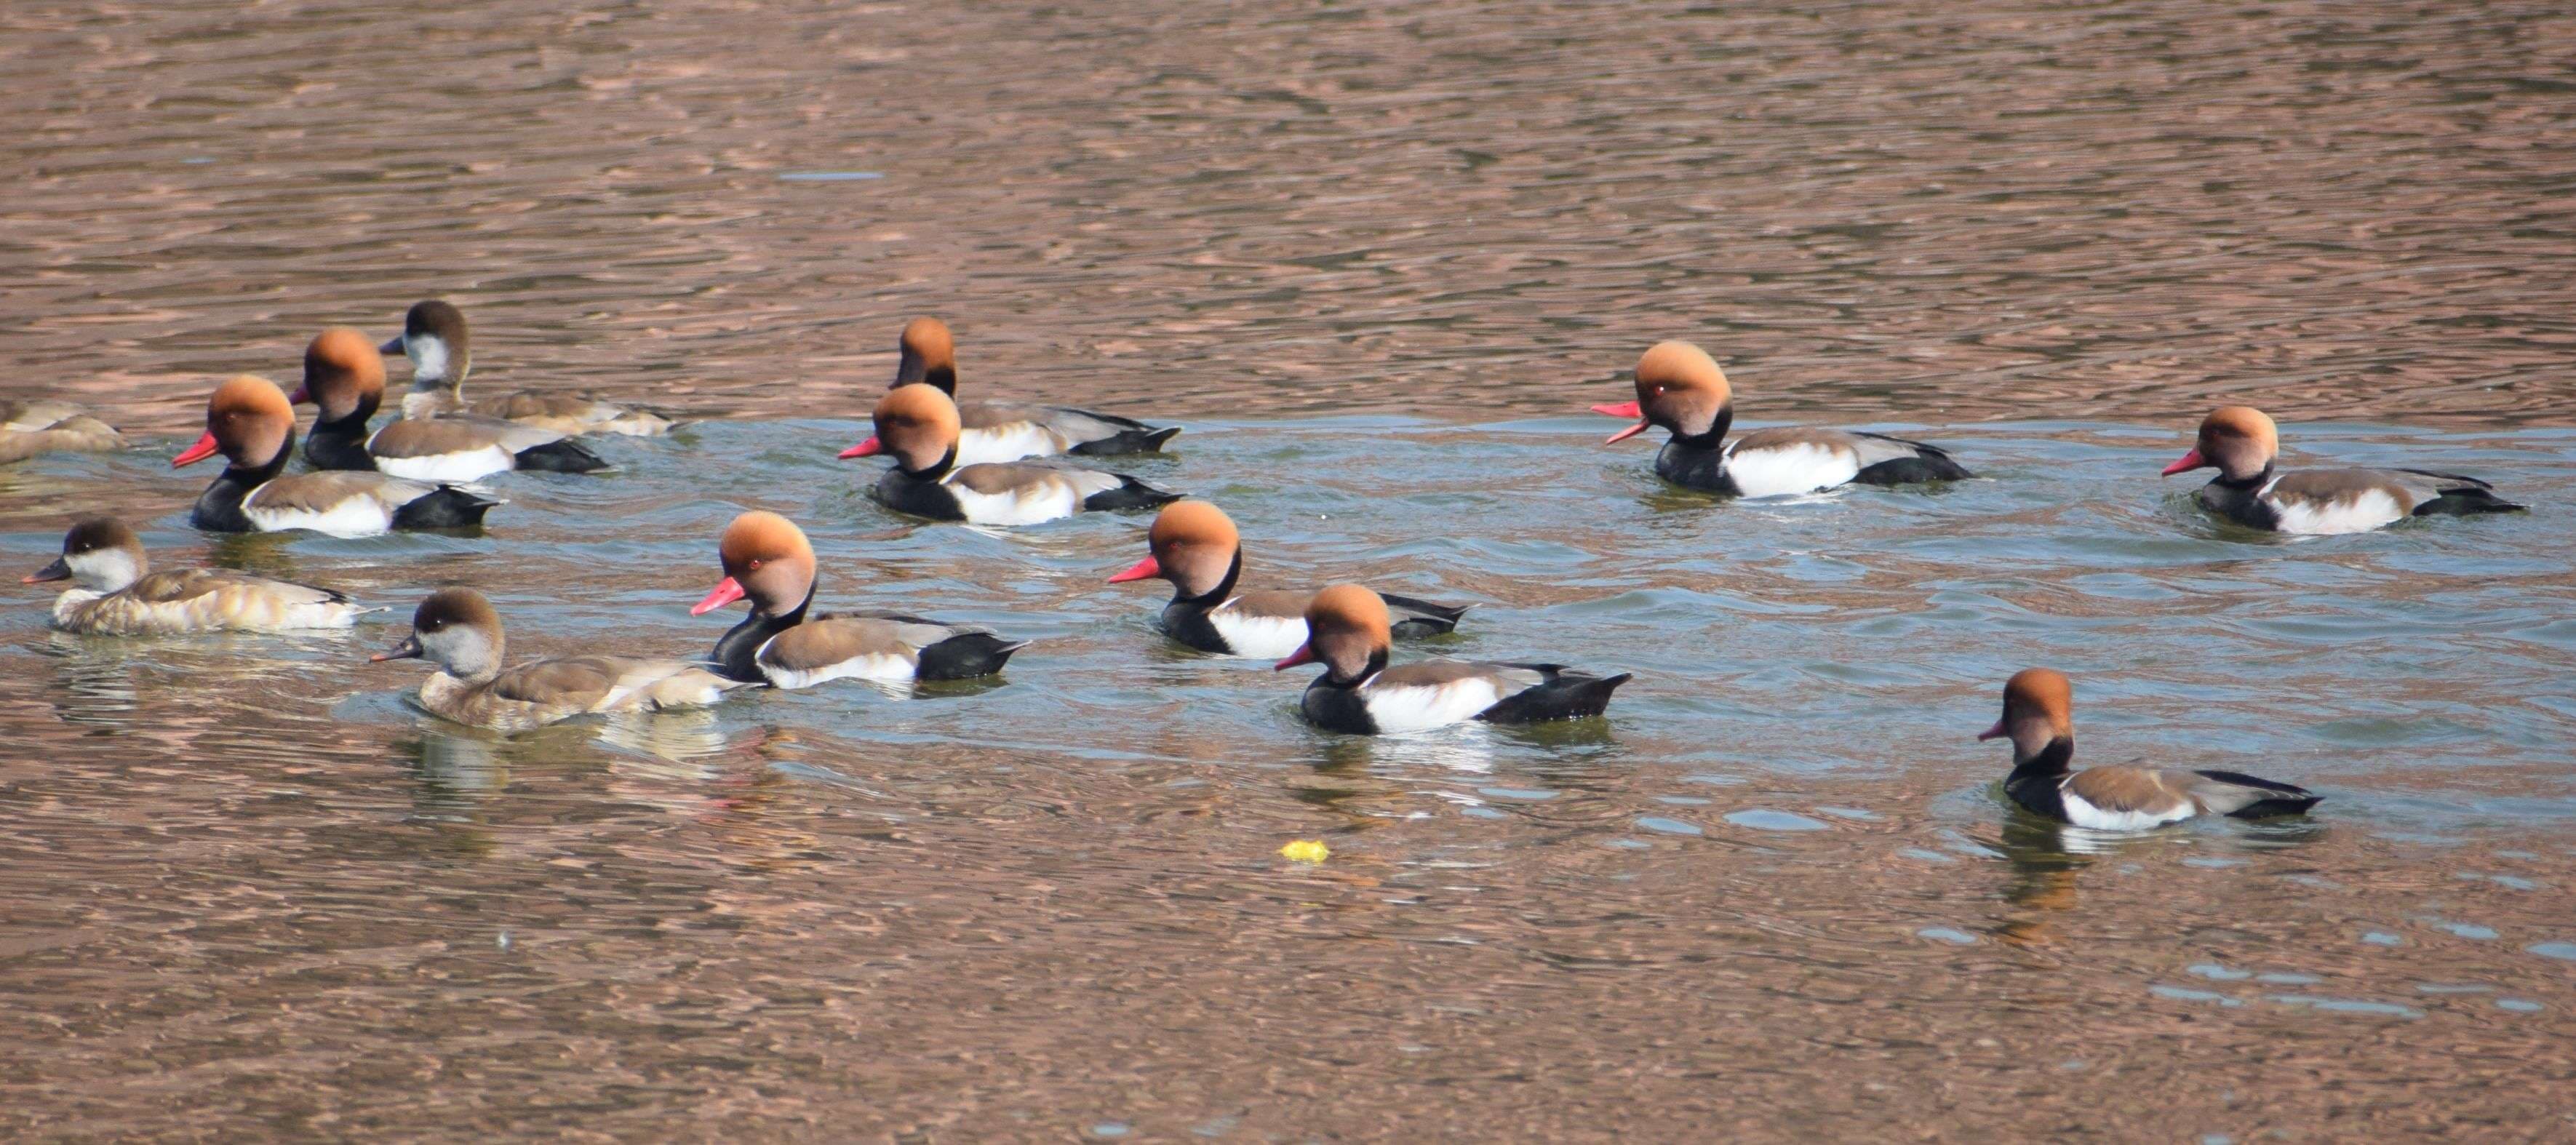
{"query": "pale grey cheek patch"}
[(428, 354), (105, 570)]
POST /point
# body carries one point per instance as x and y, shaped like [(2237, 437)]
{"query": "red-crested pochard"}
[(768, 561), (1358, 693), (1680, 388), (2039, 717), (1009, 431), (115, 593), (2241, 443), (1196, 547), (441, 353), (344, 375), (249, 421), (31, 428), (917, 426), (457, 630)]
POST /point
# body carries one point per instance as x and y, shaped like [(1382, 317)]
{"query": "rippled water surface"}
[(1376, 259)]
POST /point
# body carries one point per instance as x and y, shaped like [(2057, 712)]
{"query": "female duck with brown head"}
[(115, 592), (28, 429), (1680, 388), (457, 630), (441, 352), (2039, 719), (1348, 633), (1009, 431), (768, 561), (344, 375), (249, 421), (1195, 546), (917, 426), (2242, 443)]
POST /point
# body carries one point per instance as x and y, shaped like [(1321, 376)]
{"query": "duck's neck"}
[(1332, 678), (220, 506), (1714, 436), (947, 464), (2052, 758), (341, 443), (737, 654), (2256, 480), (1223, 591)]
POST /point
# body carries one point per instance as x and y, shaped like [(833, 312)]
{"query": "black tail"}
[(1130, 494), (566, 456), (1416, 618), (1142, 439), (2465, 500), (448, 507), (1563, 695), (1929, 463), (966, 656), (2286, 799)]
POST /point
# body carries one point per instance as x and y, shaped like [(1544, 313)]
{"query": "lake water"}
[(1377, 260)]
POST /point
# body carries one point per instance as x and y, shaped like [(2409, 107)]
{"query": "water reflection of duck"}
[(2038, 716)]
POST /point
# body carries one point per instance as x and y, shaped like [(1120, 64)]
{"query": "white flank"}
[(1264, 637), (469, 465), (1006, 443), (883, 669), (2370, 510), (1789, 470), (2083, 814), (1413, 709), (1039, 501), (352, 517)]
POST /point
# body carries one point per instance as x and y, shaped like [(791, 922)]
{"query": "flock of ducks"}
[(969, 461)]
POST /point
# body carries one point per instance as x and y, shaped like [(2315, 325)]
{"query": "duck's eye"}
[(755, 565)]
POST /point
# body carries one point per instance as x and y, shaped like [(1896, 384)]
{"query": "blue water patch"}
[(2382, 938), (1945, 934), (1665, 826), (2215, 971), (2346, 1005), (2180, 994), (1766, 820), (2566, 950), (2519, 1005)]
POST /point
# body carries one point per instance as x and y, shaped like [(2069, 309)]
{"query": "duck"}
[(1349, 633), (2039, 719), (917, 426), (1010, 431), (457, 630), (1680, 388), (249, 421), (114, 592), (768, 561), (28, 429), (344, 377), (434, 338), (1195, 546), (2242, 443)]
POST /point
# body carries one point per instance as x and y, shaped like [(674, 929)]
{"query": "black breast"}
[(919, 496), (1337, 709), (1695, 466)]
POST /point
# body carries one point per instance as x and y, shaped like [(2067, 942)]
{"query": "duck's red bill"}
[(1627, 433), (2190, 461), (869, 448), (205, 448), (725, 592), (1619, 409), (1995, 732), (1149, 567), (301, 395), (1305, 654)]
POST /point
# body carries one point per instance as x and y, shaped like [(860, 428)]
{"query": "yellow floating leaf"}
[(1306, 851)]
